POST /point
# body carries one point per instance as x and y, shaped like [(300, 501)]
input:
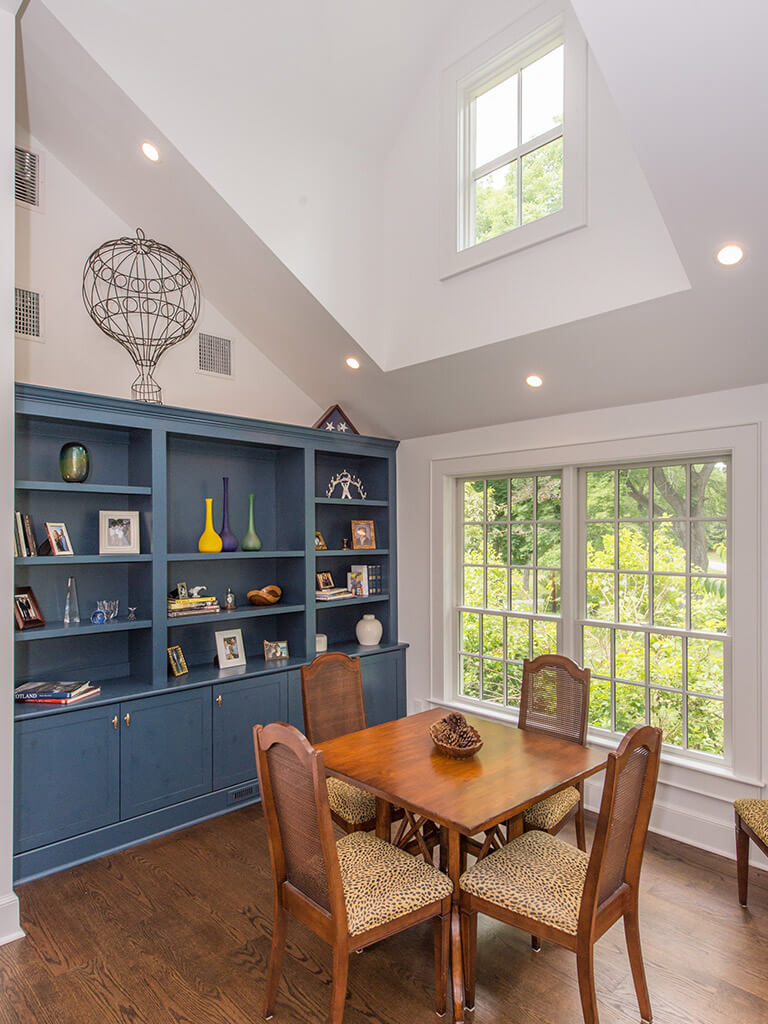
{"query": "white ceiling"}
[(272, 120)]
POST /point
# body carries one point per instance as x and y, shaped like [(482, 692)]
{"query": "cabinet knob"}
[(114, 722), (127, 718), (218, 700)]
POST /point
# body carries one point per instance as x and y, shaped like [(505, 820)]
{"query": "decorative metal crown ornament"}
[(145, 297), (345, 480)]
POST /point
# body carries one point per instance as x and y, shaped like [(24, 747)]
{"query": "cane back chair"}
[(540, 884), (351, 893), (332, 694), (751, 823)]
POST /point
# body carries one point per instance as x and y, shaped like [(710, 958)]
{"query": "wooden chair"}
[(332, 694), (751, 823), (540, 884), (351, 893)]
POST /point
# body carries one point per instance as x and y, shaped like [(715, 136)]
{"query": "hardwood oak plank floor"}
[(177, 931)]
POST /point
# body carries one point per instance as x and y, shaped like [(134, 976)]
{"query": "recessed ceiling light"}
[(150, 152), (730, 254), (353, 364), (534, 381)]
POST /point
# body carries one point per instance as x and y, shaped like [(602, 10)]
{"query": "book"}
[(23, 553), (29, 535), (359, 574), (174, 606), (193, 611), (47, 690), (92, 691), (191, 602), (336, 594)]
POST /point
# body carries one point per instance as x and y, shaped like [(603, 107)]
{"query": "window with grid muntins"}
[(215, 354), (27, 319), (655, 629), (513, 144), (510, 580)]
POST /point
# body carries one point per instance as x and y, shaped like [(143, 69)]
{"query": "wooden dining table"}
[(399, 764)]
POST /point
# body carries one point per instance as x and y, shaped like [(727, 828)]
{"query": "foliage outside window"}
[(514, 140), (655, 626), (509, 608)]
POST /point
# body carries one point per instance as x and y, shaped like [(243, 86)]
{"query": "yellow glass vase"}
[(210, 541)]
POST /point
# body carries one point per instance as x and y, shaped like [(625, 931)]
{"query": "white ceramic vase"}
[(368, 631)]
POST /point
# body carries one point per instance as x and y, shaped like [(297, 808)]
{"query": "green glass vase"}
[(251, 541), (74, 462)]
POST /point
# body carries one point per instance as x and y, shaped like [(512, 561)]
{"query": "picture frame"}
[(182, 592), (324, 581), (363, 534), (320, 544), (26, 610), (118, 532), (230, 648), (275, 650), (177, 661), (58, 538)]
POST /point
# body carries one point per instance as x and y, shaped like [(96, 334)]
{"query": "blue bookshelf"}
[(147, 725)]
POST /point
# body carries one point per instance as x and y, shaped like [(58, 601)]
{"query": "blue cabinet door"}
[(237, 707), (383, 686), (67, 776), (165, 748)]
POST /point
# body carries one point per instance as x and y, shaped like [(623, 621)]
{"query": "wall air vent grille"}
[(244, 793), (28, 318), (215, 355), (27, 177)]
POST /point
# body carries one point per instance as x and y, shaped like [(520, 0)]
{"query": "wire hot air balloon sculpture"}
[(145, 297)]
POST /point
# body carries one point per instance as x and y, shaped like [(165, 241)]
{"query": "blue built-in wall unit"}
[(154, 751)]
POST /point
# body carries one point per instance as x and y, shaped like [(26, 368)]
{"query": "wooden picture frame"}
[(26, 610), (119, 533), (230, 648), (177, 661), (275, 650), (58, 539), (320, 544), (363, 535), (324, 581)]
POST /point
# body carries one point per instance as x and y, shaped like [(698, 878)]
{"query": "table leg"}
[(457, 968), (383, 819), (515, 828)]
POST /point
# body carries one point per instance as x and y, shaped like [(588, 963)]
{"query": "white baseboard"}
[(10, 929)]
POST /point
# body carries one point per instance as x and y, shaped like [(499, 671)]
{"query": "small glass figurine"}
[(131, 614), (229, 601), (71, 604)]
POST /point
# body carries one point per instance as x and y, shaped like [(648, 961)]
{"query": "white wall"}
[(51, 248), (690, 805), (9, 907)]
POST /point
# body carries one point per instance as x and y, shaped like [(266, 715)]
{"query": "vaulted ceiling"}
[(299, 145)]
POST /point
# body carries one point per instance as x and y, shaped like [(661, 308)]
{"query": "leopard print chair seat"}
[(356, 806), (550, 812), (751, 825), (754, 813), (537, 875), (382, 883)]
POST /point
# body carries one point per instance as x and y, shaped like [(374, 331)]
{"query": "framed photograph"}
[(324, 581), (118, 533), (274, 650), (58, 538), (230, 648), (26, 610), (178, 664), (182, 591), (363, 534), (320, 544)]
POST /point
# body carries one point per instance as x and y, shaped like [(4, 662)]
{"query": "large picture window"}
[(510, 581)]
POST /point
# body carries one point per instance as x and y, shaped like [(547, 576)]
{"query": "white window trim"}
[(741, 441), (544, 23)]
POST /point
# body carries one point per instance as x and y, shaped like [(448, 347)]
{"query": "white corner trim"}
[(10, 928)]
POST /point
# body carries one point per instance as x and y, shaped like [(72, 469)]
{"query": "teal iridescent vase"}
[(74, 463)]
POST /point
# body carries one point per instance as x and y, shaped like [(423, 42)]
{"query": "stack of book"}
[(178, 606), (24, 545), (55, 693), (364, 580), (333, 594)]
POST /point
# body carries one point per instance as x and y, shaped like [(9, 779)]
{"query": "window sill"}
[(608, 743)]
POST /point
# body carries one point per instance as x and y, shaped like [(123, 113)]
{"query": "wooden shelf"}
[(80, 559), (353, 504), (61, 485), (238, 613), (345, 601), (201, 556), (351, 552), (58, 629)]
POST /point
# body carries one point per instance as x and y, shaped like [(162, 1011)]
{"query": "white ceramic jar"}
[(368, 631)]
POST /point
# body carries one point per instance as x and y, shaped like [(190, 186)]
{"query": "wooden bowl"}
[(268, 595), (457, 752)]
